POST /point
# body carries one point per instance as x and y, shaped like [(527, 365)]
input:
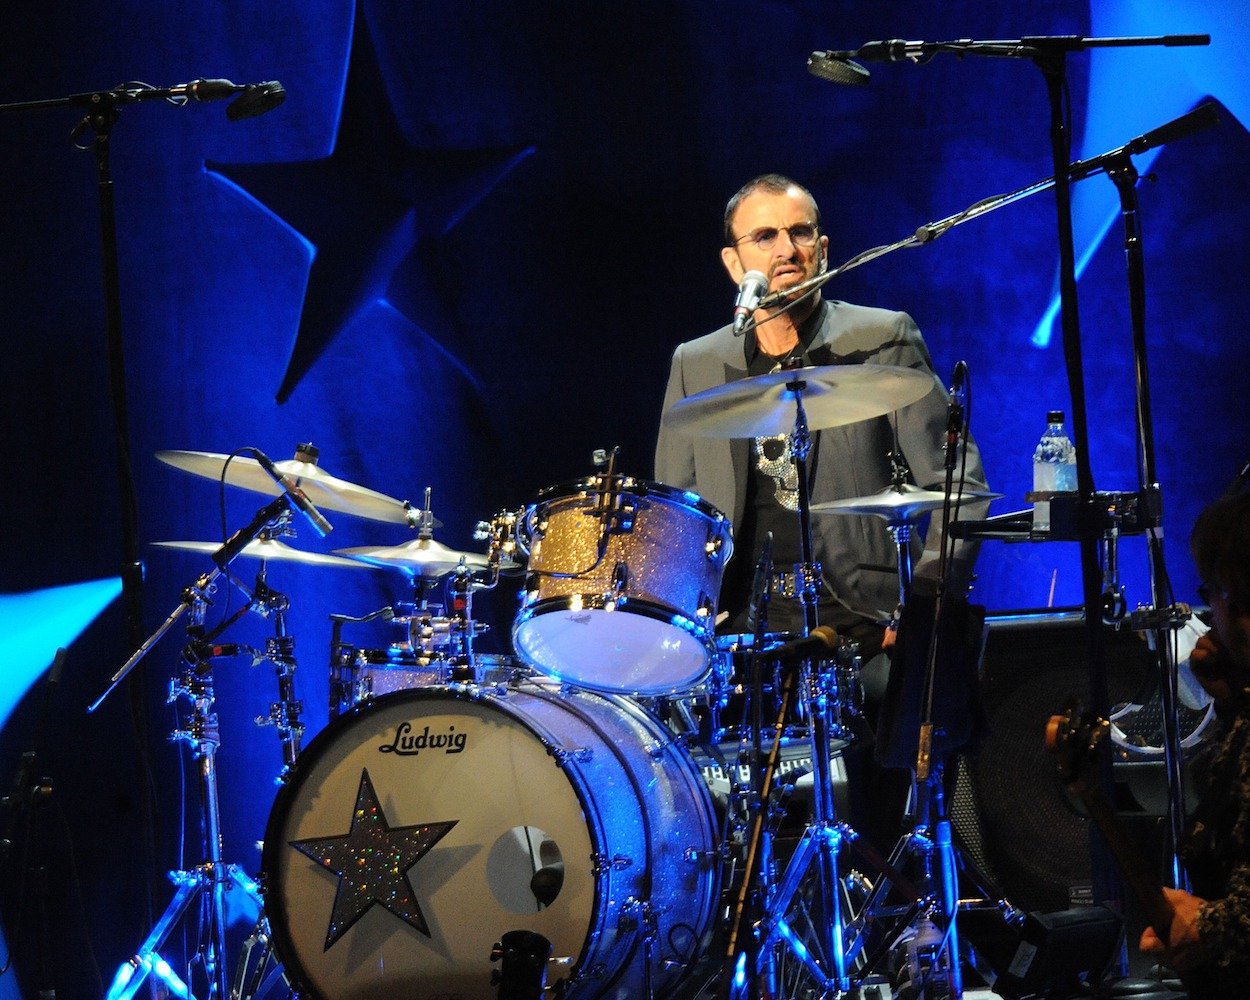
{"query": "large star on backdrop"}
[(372, 862), (366, 207)]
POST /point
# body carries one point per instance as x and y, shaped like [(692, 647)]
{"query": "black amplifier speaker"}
[(1011, 815)]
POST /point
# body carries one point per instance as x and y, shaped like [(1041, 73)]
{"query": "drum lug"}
[(600, 863), (706, 606), (704, 859), (638, 915), (715, 543), (583, 755)]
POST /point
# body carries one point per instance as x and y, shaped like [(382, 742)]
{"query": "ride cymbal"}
[(833, 395)]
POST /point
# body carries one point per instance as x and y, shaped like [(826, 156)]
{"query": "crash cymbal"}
[(900, 505), (420, 557), (269, 549), (834, 395), (322, 489)]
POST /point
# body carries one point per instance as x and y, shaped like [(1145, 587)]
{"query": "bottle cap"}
[(1054, 416)]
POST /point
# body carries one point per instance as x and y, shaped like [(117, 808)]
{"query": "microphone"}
[(822, 641), (205, 90), (255, 99), (750, 290), (955, 413), (890, 50), (297, 496), (836, 67)]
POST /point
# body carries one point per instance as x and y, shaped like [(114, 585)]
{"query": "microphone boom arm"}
[(1204, 116)]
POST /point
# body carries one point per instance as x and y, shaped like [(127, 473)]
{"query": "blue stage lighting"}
[(35, 625)]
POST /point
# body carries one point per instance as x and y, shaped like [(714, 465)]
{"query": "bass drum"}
[(418, 829)]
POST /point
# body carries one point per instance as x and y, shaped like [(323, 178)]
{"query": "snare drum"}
[(621, 586), (359, 675), (609, 855)]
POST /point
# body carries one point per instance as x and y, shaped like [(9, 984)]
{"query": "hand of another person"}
[(1214, 668), (1183, 950)]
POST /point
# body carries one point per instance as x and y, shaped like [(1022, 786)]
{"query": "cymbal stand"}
[(284, 714), (933, 944), (918, 843), (821, 842), (210, 880)]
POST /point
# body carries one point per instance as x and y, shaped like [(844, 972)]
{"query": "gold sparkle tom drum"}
[(621, 585)]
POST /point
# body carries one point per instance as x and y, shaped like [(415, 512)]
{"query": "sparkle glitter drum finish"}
[(621, 585)]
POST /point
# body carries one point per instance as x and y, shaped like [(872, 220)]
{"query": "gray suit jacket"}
[(857, 555)]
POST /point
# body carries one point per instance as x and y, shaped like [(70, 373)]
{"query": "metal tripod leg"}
[(213, 875), (931, 915), (147, 961), (136, 969), (822, 952), (258, 968)]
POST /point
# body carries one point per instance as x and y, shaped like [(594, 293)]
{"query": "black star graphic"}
[(366, 208), (372, 863)]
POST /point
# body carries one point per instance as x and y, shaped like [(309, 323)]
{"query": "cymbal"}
[(898, 506), (834, 395), (269, 549), (420, 557), (322, 489)]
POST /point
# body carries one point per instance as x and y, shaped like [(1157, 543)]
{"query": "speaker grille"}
[(1034, 840)]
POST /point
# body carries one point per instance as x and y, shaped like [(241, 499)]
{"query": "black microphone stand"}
[(1050, 57), (1162, 618), (1049, 54), (103, 109)]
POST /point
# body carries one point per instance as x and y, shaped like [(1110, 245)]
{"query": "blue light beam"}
[(33, 626)]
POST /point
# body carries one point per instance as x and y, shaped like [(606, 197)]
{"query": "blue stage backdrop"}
[(459, 256)]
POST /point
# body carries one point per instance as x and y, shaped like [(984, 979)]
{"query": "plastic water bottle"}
[(1054, 467)]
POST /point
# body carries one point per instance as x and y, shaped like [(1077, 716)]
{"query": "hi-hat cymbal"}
[(322, 489), (272, 550), (833, 395), (898, 506), (420, 557)]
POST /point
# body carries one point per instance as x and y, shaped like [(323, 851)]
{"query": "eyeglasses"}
[(802, 234), (1206, 592)]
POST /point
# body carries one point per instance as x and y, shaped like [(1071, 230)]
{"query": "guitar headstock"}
[(1074, 737)]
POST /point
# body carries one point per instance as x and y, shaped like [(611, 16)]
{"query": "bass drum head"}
[(417, 830)]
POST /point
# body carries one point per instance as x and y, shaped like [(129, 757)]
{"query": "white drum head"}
[(431, 760), (612, 651)]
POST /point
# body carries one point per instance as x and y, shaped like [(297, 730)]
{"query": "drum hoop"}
[(622, 605), (640, 487)]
